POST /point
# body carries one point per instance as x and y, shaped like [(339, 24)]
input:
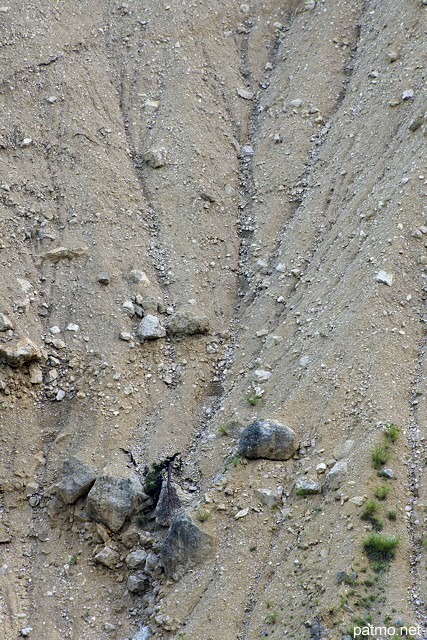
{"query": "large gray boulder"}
[(267, 439), (184, 545), (112, 500), (187, 323), (76, 480)]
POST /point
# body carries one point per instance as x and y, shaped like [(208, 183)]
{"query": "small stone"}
[(335, 476), (149, 305), (108, 557), (150, 328), (26, 142), (36, 374), (21, 352), (137, 582), (321, 468), (269, 497), (242, 513), (408, 94), (60, 395), (103, 278), (139, 277), (5, 322), (109, 627), (307, 486), (130, 537), (26, 631), (387, 473), (186, 323), (296, 103), (128, 308), (259, 375), (54, 330), (245, 94), (207, 196), (5, 536), (247, 150), (416, 123), (156, 158), (143, 634), (125, 336), (357, 500), (384, 277), (136, 559)]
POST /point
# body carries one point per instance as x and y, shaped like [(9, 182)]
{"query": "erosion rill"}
[(213, 248)]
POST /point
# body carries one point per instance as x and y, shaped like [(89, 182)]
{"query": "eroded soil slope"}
[(289, 208)]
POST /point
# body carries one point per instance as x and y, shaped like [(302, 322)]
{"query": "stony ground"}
[(260, 164)]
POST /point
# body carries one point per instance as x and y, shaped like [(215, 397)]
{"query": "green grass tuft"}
[(380, 549), (380, 455)]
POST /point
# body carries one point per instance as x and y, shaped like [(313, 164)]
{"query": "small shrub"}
[(253, 548), (222, 430), (380, 455), (72, 559), (202, 515), (301, 492), (391, 432), (381, 492), (369, 509), (391, 514), (252, 398), (380, 549), (271, 617), (424, 543), (368, 514)]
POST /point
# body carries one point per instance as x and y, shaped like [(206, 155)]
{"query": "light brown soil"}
[(334, 192)]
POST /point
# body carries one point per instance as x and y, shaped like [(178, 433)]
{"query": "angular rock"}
[(336, 475), (137, 582), (156, 158), (36, 374), (77, 480), (103, 278), (152, 563), (136, 559), (184, 545), (21, 352), (150, 328), (64, 253), (143, 634), (112, 500), (150, 305), (384, 277), (108, 557), (187, 323), (387, 473), (269, 497), (267, 439), (307, 486), (167, 505), (139, 277), (5, 322)]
